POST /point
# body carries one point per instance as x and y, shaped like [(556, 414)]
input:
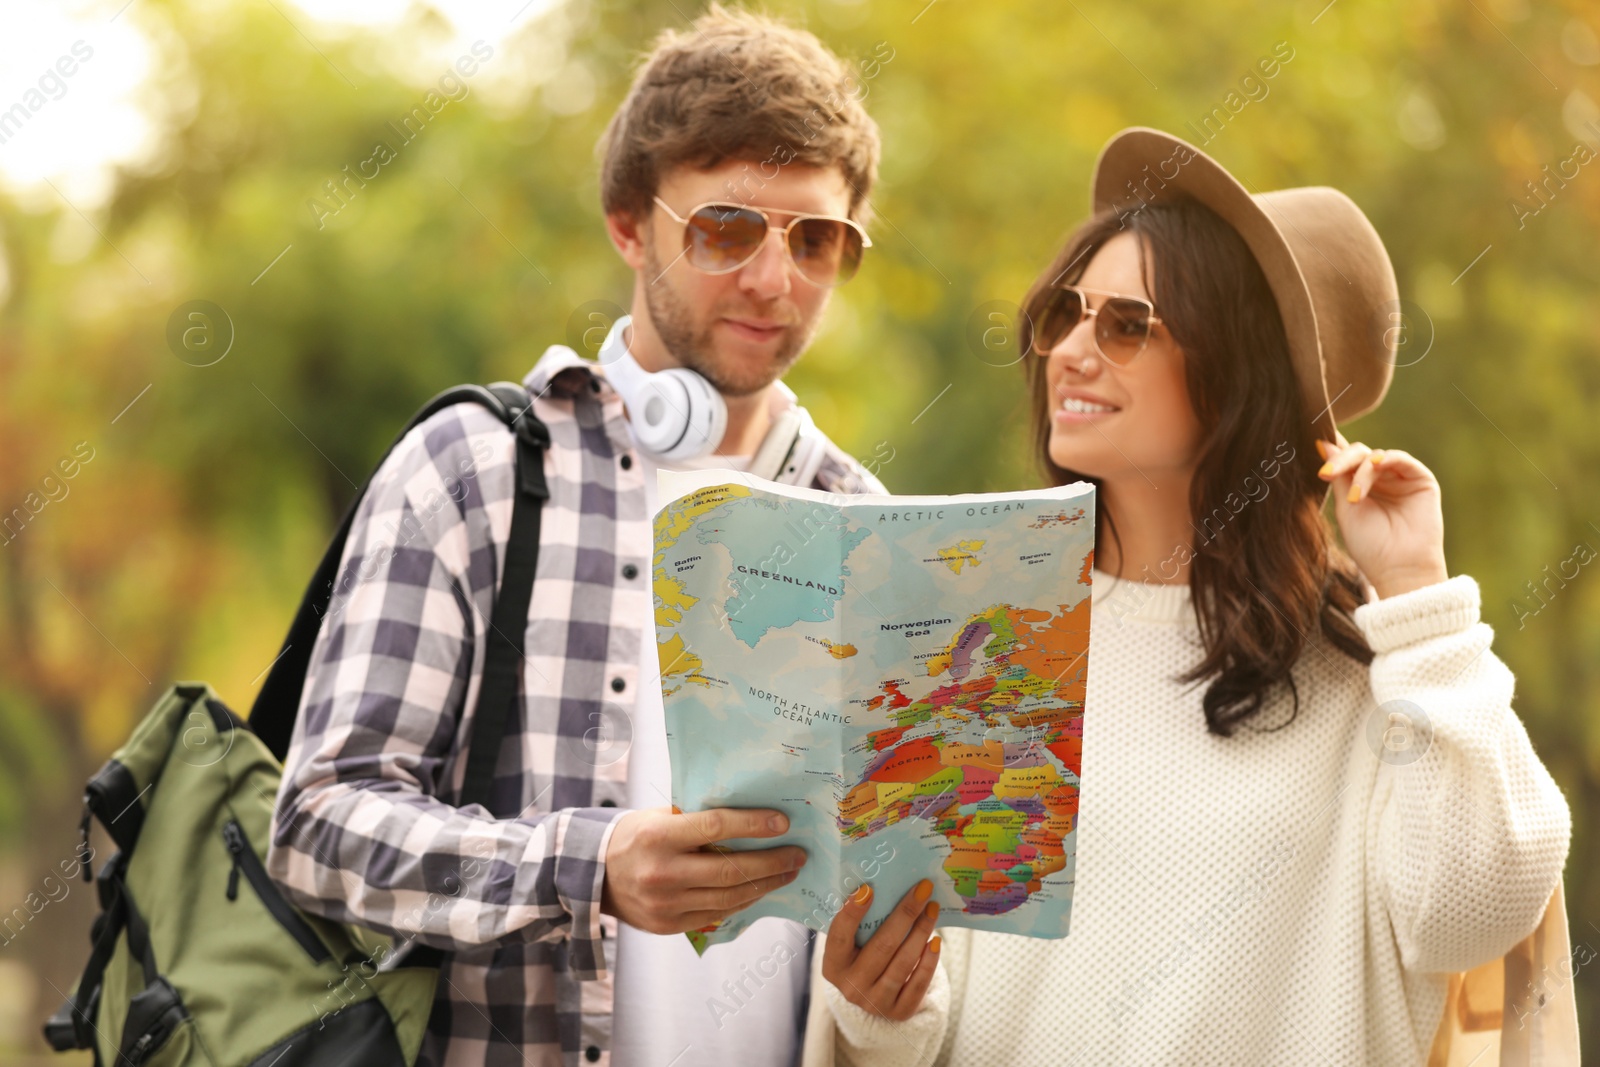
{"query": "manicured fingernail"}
[(862, 895), (923, 891), (1326, 469), (1355, 494), (676, 810), (1322, 448), (932, 910), (933, 946), (1377, 457)]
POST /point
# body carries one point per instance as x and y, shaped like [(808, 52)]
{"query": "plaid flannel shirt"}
[(366, 829)]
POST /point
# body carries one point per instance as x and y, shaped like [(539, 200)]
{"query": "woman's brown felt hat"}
[(1327, 266)]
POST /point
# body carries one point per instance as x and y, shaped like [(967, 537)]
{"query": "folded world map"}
[(903, 677)]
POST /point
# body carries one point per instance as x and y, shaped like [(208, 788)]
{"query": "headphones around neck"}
[(675, 413)]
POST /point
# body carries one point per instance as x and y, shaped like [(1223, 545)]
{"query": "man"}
[(573, 911)]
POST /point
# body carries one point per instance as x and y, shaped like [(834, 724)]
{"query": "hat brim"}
[(1143, 166)]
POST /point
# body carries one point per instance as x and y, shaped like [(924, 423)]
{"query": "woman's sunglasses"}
[(719, 238), (1121, 323)]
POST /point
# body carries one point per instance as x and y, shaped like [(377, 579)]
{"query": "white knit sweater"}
[(1275, 897)]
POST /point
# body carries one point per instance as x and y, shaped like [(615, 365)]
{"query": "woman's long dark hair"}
[(1265, 571)]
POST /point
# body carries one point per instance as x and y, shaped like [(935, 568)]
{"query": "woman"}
[(1307, 799)]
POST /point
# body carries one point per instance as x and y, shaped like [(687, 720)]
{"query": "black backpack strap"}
[(72, 1025), (502, 668), (273, 714)]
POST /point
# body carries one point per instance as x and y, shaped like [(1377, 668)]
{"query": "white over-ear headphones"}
[(675, 413)]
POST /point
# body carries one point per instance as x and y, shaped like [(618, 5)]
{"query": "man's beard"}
[(693, 345)]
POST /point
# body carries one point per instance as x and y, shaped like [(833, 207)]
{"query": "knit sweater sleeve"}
[(864, 1039), (1469, 832)]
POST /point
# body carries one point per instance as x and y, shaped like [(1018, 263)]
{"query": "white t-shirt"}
[(671, 1006)]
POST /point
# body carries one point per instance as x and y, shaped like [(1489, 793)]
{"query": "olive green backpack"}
[(198, 958)]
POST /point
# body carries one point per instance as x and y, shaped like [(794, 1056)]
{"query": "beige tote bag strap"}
[(1518, 1010)]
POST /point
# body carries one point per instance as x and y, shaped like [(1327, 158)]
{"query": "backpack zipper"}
[(83, 842), (255, 872), (143, 1047), (236, 845)]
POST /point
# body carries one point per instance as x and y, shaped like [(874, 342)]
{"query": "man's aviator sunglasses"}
[(1121, 323), (719, 238)]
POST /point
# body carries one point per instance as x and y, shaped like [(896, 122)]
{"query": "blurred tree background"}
[(181, 545)]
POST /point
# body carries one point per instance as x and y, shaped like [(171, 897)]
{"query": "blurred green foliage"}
[(182, 546)]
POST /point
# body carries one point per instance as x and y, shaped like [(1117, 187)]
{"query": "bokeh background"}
[(185, 158)]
